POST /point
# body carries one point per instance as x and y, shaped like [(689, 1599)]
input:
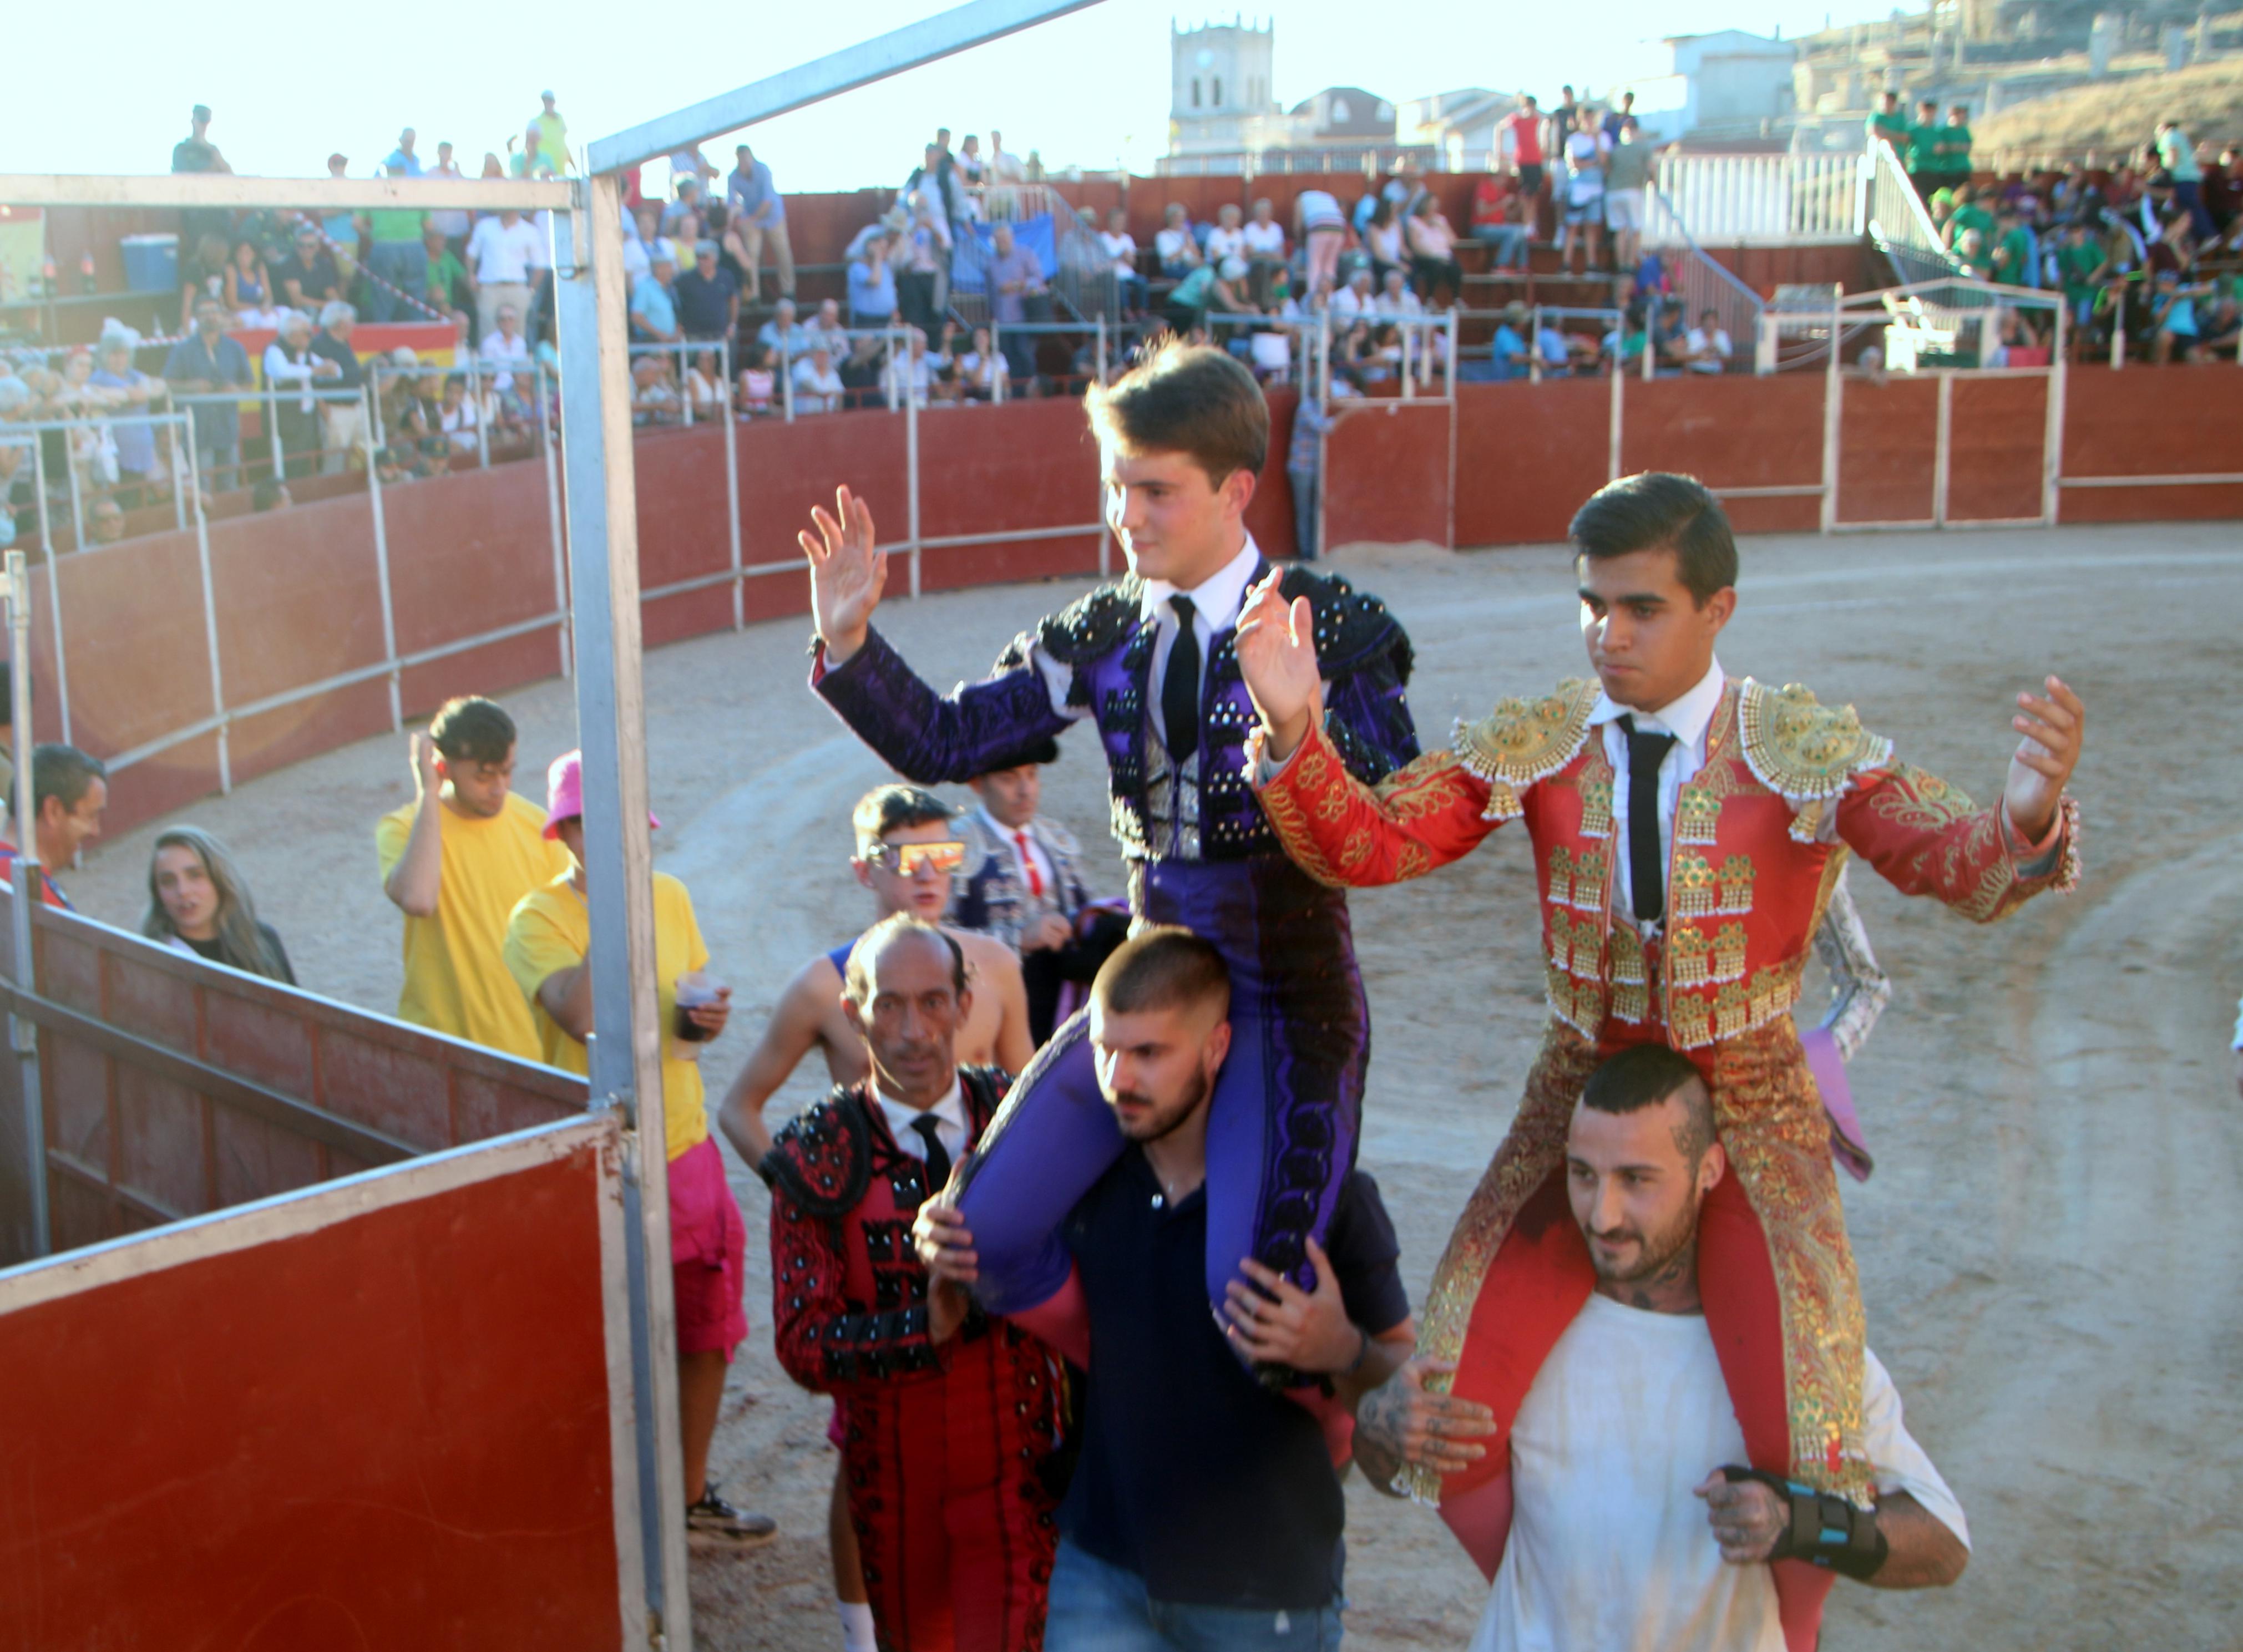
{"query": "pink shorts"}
[(708, 1253)]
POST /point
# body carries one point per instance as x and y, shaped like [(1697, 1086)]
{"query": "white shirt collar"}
[(951, 1111), (1217, 598), (1684, 718)]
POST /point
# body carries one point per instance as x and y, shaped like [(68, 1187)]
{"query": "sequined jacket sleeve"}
[(826, 1342), (1926, 838), (929, 738), (1341, 832)]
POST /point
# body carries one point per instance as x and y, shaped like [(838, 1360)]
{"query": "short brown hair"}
[(1188, 399), (889, 808), (1161, 967), (471, 729)]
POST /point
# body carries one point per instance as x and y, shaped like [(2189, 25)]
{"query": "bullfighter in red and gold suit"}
[(1687, 829), (952, 1418)]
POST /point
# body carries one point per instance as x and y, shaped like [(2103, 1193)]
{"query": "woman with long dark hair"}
[(198, 903)]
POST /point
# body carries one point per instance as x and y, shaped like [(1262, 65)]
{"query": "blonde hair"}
[(241, 942)]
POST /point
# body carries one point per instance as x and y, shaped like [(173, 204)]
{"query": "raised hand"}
[(2053, 728), (1277, 656), (427, 775), (847, 572)]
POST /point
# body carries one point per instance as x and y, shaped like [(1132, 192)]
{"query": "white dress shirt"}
[(949, 1129), (1026, 850), (1217, 601), (1686, 719)]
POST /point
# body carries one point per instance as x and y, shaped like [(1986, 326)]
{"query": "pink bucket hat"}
[(565, 793)]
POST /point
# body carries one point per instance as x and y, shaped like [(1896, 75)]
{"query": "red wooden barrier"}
[(2148, 421), (1731, 431), (1387, 465), (1527, 456), (1998, 436), (1888, 439), (384, 1419), (173, 1088)]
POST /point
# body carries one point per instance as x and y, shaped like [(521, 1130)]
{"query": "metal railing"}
[(1702, 283), (1887, 210), (1748, 200)]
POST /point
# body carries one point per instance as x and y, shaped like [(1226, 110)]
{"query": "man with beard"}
[(1631, 1522), (1204, 1513)]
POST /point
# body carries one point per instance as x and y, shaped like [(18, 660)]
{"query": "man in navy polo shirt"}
[(1205, 1511)]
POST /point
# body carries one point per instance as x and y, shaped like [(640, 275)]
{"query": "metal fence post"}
[(210, 634), (1834, 389), (272, 431), (731, 479), (553, 517), (23, 1034), (625, 1053), (54, 608), (382, 573), (997, 378), (911, 487), (1534, 348)]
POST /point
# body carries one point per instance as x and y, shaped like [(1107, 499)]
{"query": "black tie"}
[(1180, 687), (1647, 867), (938, 1160)]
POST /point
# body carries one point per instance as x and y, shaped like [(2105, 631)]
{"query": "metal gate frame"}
[(590, 311)]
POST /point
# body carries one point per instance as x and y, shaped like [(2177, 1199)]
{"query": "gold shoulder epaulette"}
[(1800, 748), (1523, 741)]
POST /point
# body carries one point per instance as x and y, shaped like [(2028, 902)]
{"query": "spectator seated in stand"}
[(864, 371), (704, 387), (1358, 297), (1396, 297), (1508, 350), (1382, 239), (817, 388), (506, 354), (1971, 256), (1498, 219), (271, 493), (981, 370), (445, 288), (1206, 290), (2173, 318), (1263, 236), (1120, 247), (1228, 239), (140, 467), (307, 279), (654, 304), (758, 387), (1432, 244), (1176, 246), (1708, 348), (459, 420), (654, 392), (204, 275)]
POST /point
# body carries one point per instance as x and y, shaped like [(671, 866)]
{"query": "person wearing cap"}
[(707, 296), (454, 861), (549, 940)]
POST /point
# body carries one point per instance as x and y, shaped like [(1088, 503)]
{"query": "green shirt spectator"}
[(1891, 126), (1953, 147), (2013, 257), (395, 226), (1923, 146), (2076, 264), (1969, 215)]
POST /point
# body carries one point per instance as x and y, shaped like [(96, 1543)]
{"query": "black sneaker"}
[(714, 1523)]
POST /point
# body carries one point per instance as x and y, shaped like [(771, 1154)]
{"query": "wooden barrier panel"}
[(1527, 456), (174, 1088), (2177, 420), (1996, 438), (1888, 441), (387, 1417), (1731, 431), (1387, 474)]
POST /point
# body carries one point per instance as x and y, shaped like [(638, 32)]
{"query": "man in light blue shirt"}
[(402, 162), (1508, 352), (654, 305), (759, 213), (781, 336)]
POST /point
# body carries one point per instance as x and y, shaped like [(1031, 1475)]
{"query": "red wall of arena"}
[(463, 1498), (299, 600)]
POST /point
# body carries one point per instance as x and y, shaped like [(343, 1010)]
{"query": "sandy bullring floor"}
[(2048, 1248)]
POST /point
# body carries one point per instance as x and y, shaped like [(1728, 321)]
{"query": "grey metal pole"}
[(996, 354), (911, 485), (482, 412), (553, 517), (626, 1048), (210, 636), (381, 574), (55, 595), (731, 482), (23, 1033), (273, 429)]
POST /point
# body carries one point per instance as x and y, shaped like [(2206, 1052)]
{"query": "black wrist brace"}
[(1824, 1530)]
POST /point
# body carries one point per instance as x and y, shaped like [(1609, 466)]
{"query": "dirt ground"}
[(2047, 1247)]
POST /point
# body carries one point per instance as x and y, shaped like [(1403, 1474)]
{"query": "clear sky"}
[(107, 88)]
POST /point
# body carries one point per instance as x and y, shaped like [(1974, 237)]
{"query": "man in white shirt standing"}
[(1632, 1521), (503, 253)]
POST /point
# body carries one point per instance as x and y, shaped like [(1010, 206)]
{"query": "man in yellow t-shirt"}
[(549, 940), (454, 860)]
